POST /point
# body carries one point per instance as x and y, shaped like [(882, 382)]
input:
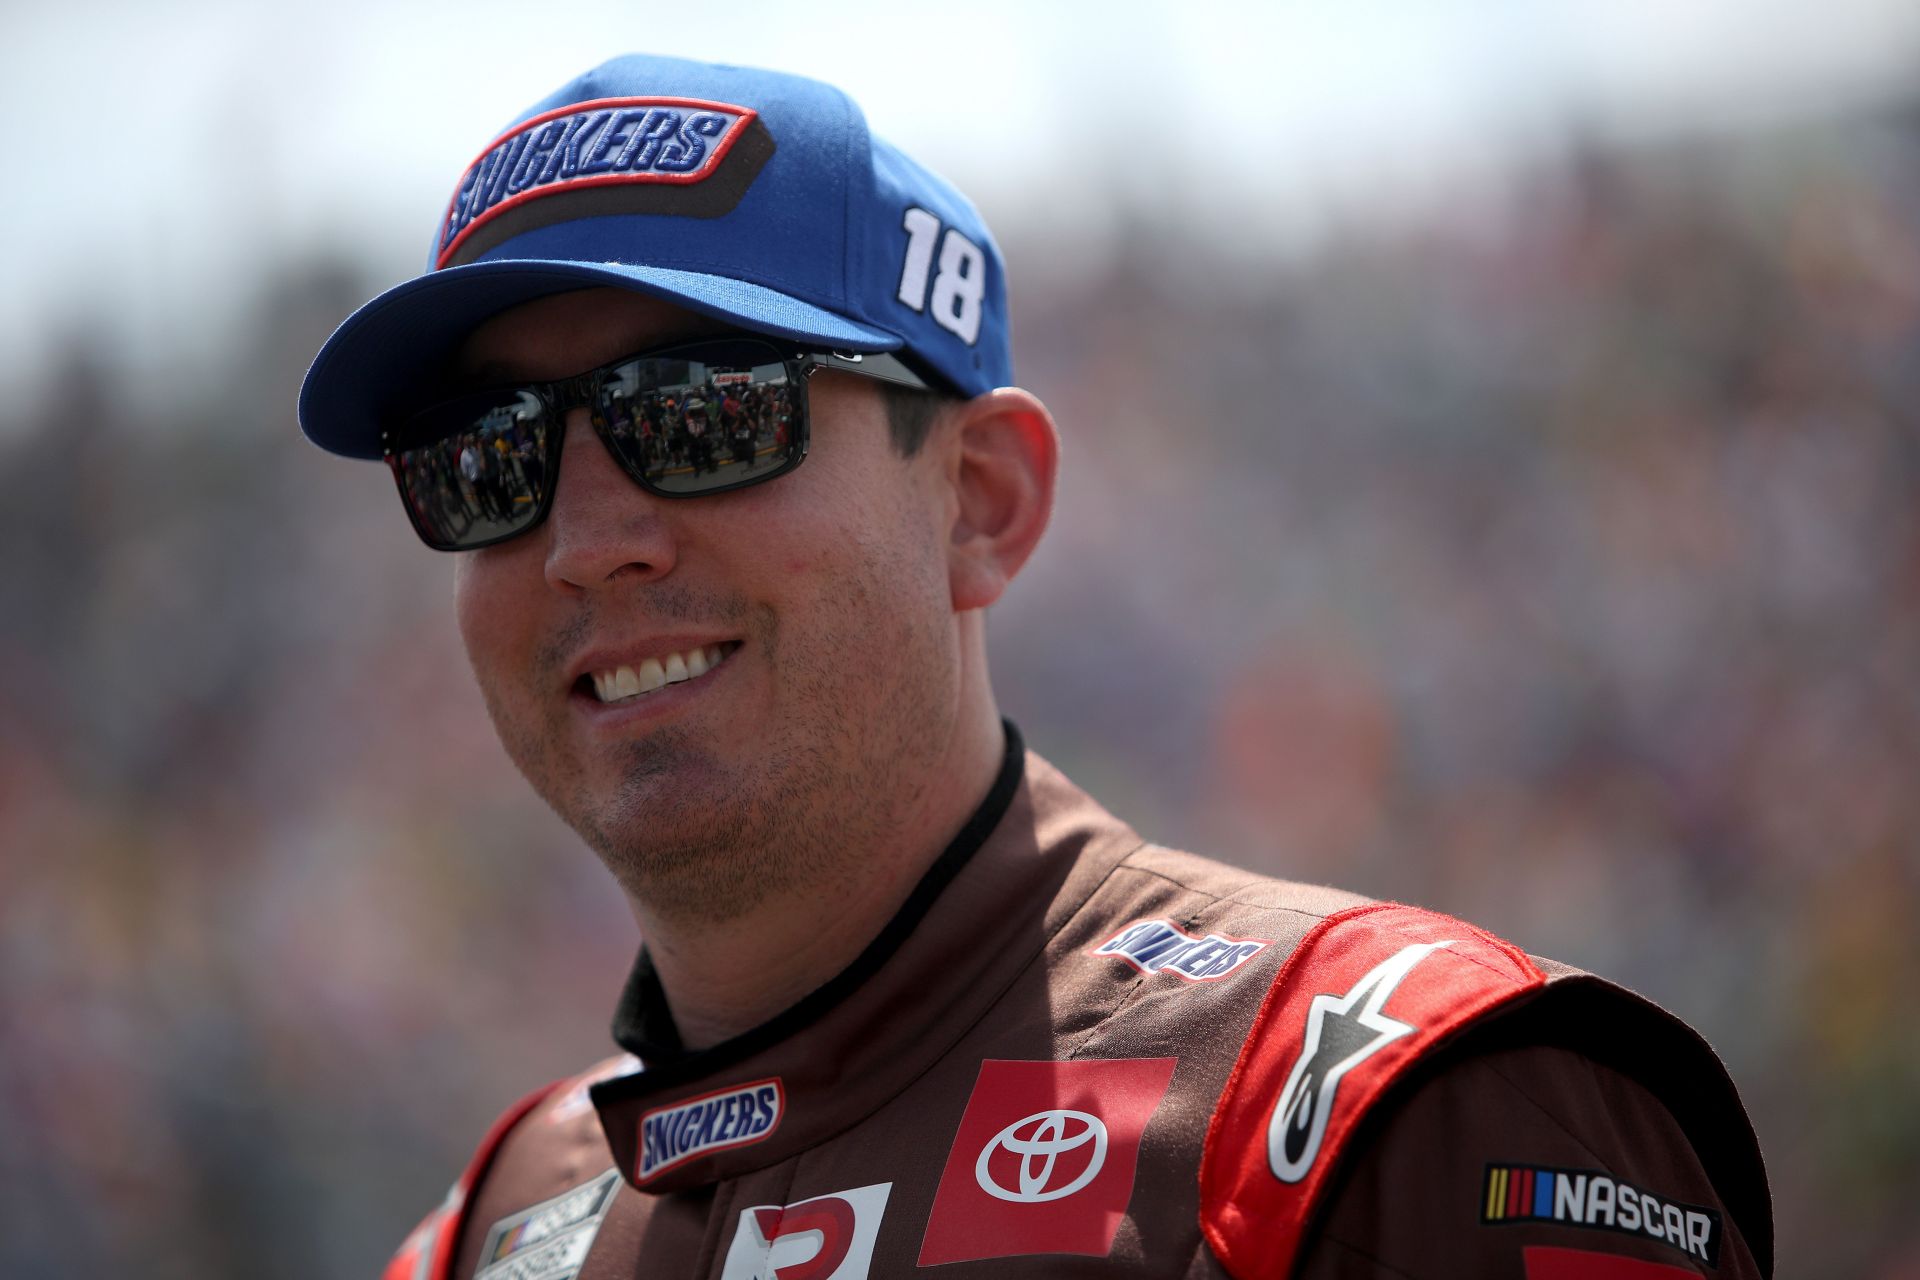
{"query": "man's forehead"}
[(567, 333)]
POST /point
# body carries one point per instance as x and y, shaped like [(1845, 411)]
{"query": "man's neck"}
[(724, 979)]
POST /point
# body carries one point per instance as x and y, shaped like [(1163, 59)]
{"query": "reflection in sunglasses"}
[(685, 421), (682, 427)]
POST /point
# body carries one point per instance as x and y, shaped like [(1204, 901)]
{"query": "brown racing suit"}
[(1075, 1053)]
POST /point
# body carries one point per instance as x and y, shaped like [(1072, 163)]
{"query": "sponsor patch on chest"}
[(1590, 1198), (1160, 946), (825, 1238), (550, 1240), (1044, 1158), (733, 1117)]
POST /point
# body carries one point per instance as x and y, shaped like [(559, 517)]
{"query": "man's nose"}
[(602, 527)]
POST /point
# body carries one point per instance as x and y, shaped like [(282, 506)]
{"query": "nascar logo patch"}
[(1590, 1198), (674, 1134), (610, 141), (551, 1239)]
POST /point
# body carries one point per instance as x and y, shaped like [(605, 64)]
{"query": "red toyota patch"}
[(1544, 1263), (1044, 1159), (1357, 1003)]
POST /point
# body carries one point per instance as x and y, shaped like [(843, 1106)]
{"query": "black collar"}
[(643, 1024)]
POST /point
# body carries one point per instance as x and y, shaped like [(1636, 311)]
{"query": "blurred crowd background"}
[(1551, 560)]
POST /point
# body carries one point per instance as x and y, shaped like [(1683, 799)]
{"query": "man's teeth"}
[(655, 673)]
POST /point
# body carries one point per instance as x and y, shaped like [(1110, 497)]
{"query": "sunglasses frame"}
[(560, 396)]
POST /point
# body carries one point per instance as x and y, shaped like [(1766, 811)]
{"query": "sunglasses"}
[(684, 421)]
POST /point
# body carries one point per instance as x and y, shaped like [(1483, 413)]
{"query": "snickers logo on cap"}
[(609, 156)]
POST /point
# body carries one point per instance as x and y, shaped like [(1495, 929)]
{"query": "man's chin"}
[(694, 872), (689, 845)]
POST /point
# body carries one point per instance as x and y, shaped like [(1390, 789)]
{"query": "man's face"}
[(825, 591)]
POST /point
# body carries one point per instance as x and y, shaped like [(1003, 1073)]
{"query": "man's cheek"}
[(475, 614)]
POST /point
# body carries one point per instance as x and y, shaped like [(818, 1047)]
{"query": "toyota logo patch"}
[(1044, 1148), (1044, 1158)]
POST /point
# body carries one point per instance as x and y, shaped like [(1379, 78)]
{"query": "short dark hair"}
[(910, 415)]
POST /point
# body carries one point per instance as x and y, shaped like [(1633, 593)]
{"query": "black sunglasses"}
[(683, 421)]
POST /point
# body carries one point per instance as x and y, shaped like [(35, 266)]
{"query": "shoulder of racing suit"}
[(1303, 1018)]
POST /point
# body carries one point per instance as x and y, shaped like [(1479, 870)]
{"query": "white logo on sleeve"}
[(1338, 1039)]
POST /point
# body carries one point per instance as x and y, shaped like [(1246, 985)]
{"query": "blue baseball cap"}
[(751, 196)]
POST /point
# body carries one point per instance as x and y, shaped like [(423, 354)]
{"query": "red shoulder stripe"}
[(1358, 1002), (427, 1253)]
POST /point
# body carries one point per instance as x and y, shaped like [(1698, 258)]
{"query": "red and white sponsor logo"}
[(671, 141), (825, 1238), (1044, 1158), (1356, 1004)]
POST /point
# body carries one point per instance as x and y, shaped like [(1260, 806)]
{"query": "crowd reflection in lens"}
[(684, 425), (703, 431), (484, 480)]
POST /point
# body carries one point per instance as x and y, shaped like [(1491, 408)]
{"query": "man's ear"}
[(1004, 453)]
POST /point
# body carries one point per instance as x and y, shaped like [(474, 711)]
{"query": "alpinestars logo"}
[(1342, 1032)]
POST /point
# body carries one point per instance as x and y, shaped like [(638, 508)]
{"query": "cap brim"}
[(381, 352)]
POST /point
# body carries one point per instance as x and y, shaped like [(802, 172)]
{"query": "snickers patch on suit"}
[(1160, 946), (681, 1131), (1593, 1198), (1044, 1158), (1365, 994)]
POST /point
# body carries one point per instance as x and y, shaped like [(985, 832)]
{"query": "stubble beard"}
[(700, 840)]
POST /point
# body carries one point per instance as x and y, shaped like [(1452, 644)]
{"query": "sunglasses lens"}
[(480, 474), (713, 416)]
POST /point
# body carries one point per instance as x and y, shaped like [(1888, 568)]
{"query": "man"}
[(908, 999)]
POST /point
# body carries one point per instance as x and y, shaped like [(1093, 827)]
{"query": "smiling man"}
[(908, 1000), (754, 704)]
